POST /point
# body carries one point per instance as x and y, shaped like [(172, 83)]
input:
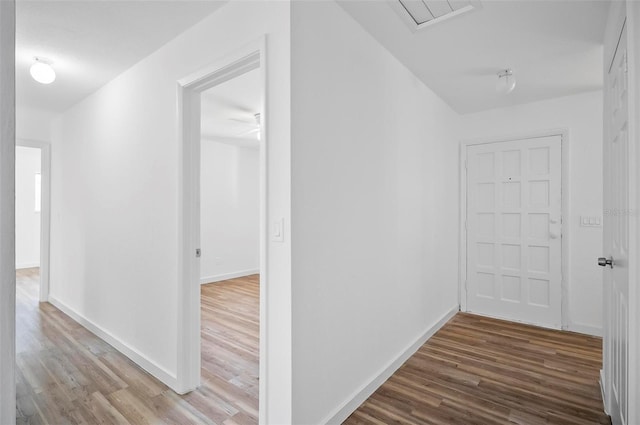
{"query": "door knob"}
[(603, 262)]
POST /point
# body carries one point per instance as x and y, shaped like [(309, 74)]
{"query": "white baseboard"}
[(27, 265), (137, 357), (227, 276), (584, 329), (602, 393), (361, 395)]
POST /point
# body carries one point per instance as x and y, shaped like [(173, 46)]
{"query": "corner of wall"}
[(350, 405)]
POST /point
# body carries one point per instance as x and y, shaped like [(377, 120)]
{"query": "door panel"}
[(513, 230), (616, 234)]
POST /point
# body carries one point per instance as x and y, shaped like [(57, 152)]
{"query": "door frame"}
[(246, 58), (565, 213), (45, 211)]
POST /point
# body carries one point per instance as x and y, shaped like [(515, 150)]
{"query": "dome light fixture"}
[(42, 71), (506, 81)]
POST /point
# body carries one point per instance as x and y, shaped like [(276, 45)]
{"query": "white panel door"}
[(616, 235), (514, 230)]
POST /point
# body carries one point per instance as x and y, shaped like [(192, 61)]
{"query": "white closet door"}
[(514, 230), (616, 236)]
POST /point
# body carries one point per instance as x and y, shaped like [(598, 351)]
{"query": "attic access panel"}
[(418, 14)]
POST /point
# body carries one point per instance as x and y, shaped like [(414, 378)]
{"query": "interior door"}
[(616, 234), (514, 230)]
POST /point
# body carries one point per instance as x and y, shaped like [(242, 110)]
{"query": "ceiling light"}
[(506, 81), (42, 71)]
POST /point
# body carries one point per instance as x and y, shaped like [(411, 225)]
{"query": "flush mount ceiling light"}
[(506, 82), (42, 71)]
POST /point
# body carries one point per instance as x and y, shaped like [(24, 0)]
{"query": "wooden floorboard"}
[(67, 375), (478, 370)]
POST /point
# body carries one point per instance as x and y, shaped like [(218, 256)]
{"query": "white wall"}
[(27, 219), (7, 214), (229, 211), (33, 124), (115, 198), (582, 116), (374, 204)]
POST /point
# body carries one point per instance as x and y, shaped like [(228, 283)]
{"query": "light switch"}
[(278, 231), (594, 221)]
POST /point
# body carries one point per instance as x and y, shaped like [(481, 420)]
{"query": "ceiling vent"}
[(419, 14)]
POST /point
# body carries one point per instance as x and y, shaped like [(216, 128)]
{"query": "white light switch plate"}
[(587, 221), (277, 232)]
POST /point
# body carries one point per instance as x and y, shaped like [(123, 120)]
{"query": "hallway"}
[(478, 370), (67, 375), (475, 370)]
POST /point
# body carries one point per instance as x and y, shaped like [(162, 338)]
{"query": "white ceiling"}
[(553, 46), (228, 111), (92, 41)]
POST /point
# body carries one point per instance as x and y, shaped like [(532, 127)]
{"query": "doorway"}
[(33, 216), (513, 230), (230, 238), (192, 94), (230, 179)]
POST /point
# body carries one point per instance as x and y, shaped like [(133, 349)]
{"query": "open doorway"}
[(230, 237), (28, 225), (32, 222), (222, 296), (230, 179)]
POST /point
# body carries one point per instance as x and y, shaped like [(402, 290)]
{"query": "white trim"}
[(364, 392), (246, 58), (566, 213), (227, 276), (264, 236), (45, 213), (584, 329), (602, 391), (136, 356), (462, 228), (633, 52)]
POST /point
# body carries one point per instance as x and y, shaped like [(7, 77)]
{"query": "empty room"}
[(230, 237), (29, 289), (319, 212)]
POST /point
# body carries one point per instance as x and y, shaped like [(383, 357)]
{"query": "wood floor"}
[(477, 370), (67, 375)]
